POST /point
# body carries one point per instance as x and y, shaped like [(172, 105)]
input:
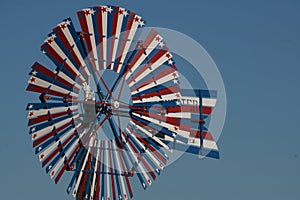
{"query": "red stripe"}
[(34, 88), (111, 171), (191, 109), (130, 22), (85, 31), (185, 108), (50, 134), (99, 174), (207, 110), (57, 57), (136, 57), (146, 44), (158, 76), (100, 33), (198, 121), (157, 56), (206, 135), (63, 169), (170, 120), (86, 36), (185, 127), (140, 157), (114, 29), (43, 118), (141, 139), (164, 73), (59, 148), (142, 70), (126, 34), (159, 156), (126, 177), (151, 36), (43, 70), (63, 38), (165, 91), (84, 179), (40, 68)]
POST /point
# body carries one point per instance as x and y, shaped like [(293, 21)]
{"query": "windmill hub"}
[(116, 104), (104, 109)]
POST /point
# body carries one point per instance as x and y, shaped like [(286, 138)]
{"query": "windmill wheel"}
[(111, 109)]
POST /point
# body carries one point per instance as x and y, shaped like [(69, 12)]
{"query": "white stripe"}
[(140, 167), (160, 81), (208, 144), (117, 37), (170, 127), (146, 132), (185, 115), (51, 148), (63, 56), (92, 191), (104, 33), (67, 154), (154, 65), (153, 44), (53, 172), (166, 97), (131, 34), (48, 129), (75, 190), (107, 170), (36, 113), (66, 78), (123, 55), (92, 39), (148, 50), (158, 164), (46, 84), (137, 64), (71, 41), (121, 178), (209, 102)]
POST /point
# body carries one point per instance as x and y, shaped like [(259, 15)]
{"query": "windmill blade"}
[(113, 108), (196, 106), (60, 58), (160, 78), (108, 33), (58, 78), (71, 44)]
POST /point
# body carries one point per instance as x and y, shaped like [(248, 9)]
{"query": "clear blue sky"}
[(256, 45)]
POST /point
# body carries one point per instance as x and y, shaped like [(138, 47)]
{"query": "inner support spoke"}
[(121, 90), (108, 115), (105, 85), (114, 87), (114, 130)]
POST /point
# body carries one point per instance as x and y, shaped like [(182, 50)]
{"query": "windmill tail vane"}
[(113, 110)]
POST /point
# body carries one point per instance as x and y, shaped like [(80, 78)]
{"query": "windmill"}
[(112, 109)]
